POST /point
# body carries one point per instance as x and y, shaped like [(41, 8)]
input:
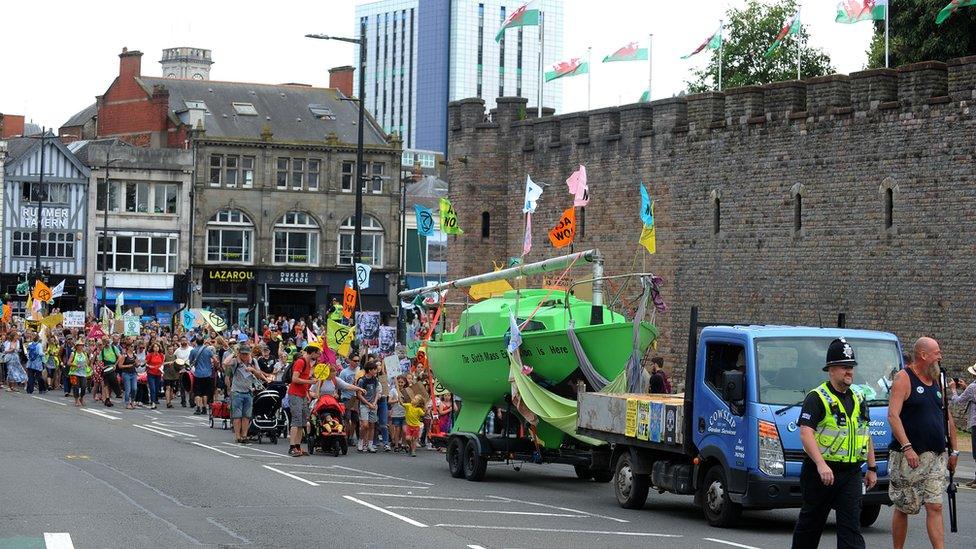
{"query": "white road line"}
[(143, 427), (475, 547), (340, 475), (732, 543), (253, 449), (154, 426), (560, 530), (445, 498), (289, 475), (559, 508), (382, 510), (58, 540), (364, 485), (218, 450), (488, 511), (382, 475), (99, 414), (48, 400)]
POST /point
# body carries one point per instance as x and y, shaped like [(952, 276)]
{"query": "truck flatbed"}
[(645, 420)]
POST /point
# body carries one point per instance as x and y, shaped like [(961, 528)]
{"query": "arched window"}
[(485, 225), (296, 239), (372, 242), (230, 237)]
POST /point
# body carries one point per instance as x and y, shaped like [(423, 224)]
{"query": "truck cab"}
[(744, 392)]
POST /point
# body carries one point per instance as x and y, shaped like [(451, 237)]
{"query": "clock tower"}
[(186, 63)]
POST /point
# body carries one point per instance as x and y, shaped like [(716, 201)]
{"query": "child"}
[(367, 408), (397, 412), (413, 416), (330, 425)]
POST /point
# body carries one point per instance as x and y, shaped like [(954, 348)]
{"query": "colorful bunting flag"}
[(449, 220), (573, 67), (790, 27), (525, 16), (951, 8), (578, 187), (425, 220), (713, 42), (630, 52), (532, 194), (564, 232), (853, 11)]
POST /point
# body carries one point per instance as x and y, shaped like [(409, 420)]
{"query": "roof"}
[(16, 147), (81, 117), (770, 331), (21, 147), (284, 108), (427, 192), (81, 148)]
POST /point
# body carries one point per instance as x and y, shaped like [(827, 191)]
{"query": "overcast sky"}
[(60, 54)]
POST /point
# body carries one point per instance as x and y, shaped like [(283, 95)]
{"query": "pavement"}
[(105, 478)]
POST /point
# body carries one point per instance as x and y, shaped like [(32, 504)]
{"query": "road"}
[(104, 478)]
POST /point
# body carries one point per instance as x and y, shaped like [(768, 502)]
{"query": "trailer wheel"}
[(583, 472), (720, 510), (455, 457), (629, 487), (869, 514), (475, 465)]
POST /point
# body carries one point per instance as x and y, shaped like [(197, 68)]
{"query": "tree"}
[(913, 35), (748, 34)]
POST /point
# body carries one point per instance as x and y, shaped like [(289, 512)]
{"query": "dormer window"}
[(322, 112), (245, 109), (196, 104)]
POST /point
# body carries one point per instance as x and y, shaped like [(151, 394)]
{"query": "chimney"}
[(130, 63), (341, 78), (11, 125)]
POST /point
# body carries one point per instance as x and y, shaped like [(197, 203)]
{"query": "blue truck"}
[(732, 440)]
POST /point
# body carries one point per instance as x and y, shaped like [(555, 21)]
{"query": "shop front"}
[(230, 293), (294, 293)]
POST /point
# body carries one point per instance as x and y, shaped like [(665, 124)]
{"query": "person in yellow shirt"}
[(414, 418)]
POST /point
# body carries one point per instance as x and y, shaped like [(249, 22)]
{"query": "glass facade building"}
[(422, 54)]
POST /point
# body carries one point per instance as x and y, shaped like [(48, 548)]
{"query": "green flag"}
[(449, 220), (525, 16), (573, 67), (713, 42), (630, 52), (790, 26), (951, 8)]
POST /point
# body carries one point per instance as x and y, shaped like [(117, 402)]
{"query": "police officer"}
[(834, 431)]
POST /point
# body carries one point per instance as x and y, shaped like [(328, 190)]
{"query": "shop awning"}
[(135, 295)]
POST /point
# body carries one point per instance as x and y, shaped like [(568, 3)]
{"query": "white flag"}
[(515, 336), (120, 299), (362, 275), (532, 194), (58, 290)]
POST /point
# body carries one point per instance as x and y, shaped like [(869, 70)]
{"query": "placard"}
[(74, 319), (392, 364), (132, 325), (656, 420), (630, 428), (643, 420)]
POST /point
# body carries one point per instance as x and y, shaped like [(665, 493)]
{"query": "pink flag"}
[(328, 355), (527, 243), (578, 187), (310, 335)]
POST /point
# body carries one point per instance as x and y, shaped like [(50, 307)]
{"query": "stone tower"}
[(186, 63)]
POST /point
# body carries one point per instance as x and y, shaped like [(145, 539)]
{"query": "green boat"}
[(472, 361)]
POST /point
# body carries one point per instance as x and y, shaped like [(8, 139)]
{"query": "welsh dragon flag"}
[(852, 11), (630, 52), (573, 67), (790, 26), (951, 8), (525, 16), (713, 42)]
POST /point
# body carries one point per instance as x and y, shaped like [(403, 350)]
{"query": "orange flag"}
[(7, 313), (565, 231), (41, 292), (348, 302)]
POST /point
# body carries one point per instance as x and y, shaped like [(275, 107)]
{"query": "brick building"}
[(786, 203)]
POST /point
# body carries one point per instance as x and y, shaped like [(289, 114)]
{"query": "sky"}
[(61, 54)]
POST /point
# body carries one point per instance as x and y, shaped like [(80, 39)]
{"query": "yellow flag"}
[(51, 321), (41, 292), (341, 337), (648, 239), (449, 220), (489, 289)]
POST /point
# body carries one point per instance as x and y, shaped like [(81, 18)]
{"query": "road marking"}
[(289, 475), (58, 540), (559, 508), (382, 510), (155, 426), (218, 450), (475, 547), (422, 497), (97, 413), (732, 543), (48, 400), (489, 511), (381, 475), (559, 530), (340, 475), (362, 484), (253, 449), (153, 430)]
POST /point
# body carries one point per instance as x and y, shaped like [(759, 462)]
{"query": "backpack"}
[(287, 374)]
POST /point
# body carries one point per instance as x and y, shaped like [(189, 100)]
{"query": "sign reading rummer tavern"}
[(233, 276)]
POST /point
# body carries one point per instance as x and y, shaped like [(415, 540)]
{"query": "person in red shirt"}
[(154, 372), (301, 380)]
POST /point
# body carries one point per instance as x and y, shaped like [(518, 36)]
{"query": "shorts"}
[(366, 415), (241, 405), (412, 431), (911, 489), (398, 421), (203, 387), (352, 409), (171, 384), (299, 411)]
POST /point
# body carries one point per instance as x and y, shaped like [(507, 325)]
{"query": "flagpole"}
[(887, 9), (799, 45), (542, 46), (589, 74), (721, 45), (650, 64)]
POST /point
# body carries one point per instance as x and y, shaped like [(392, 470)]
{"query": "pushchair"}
[(267, 417), (326, 432)]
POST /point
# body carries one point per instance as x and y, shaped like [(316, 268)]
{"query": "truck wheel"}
[(455, 457), (583, 472), (475, 465), (629, 487), (869, 514), (720, 510)]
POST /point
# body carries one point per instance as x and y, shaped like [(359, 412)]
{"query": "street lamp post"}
[(108, 191), (360, 168)]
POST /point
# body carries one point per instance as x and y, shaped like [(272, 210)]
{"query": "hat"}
[(79, 342), (972, 369), (243, 348), (313, 348), (840, 353)]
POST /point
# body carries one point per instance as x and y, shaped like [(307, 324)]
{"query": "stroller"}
[(326, 430), (267, 417)]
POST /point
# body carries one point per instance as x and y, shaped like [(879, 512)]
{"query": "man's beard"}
[(932, 370)]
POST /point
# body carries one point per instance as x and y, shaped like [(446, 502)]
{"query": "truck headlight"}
[(771, 460)]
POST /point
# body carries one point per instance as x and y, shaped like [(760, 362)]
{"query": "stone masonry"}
[(880, 162)]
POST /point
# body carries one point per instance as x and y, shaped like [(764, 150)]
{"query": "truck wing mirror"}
[(733, 386)]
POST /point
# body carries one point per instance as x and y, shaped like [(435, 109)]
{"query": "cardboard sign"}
[(630, 426), (643, 420), (564, 232), (348, 302), (132, 325), (74, 319), (392, 364)]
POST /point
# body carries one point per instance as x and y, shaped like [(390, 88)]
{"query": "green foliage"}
[(748, 34), (913, 35)]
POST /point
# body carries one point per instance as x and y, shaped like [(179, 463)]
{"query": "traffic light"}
[(180, 284)]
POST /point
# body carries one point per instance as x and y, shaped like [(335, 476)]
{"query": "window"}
[(485, 225), (371, 243), (231, 170), (322, 112), (141, 253), (347, 175), (50, 192), (216, 163), (165, 198), (721, 358), (230, 237), (137, 197), (245, 109), (717, 216), (313, 174), (113, 196), (55, 244), (296, 239), (437, 253), (797, 212), (297, 174), (376, 177), (282, 175), (230, 173), (889, 207), (247, 171)]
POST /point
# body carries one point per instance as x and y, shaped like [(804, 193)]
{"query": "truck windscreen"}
[(790, 367)]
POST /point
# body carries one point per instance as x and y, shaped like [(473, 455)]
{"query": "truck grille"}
[(880, 454)]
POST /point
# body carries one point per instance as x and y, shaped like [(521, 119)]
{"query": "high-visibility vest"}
[(841, 437)]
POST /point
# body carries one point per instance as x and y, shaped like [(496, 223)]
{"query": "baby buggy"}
[(326, 431), (267, 417)]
